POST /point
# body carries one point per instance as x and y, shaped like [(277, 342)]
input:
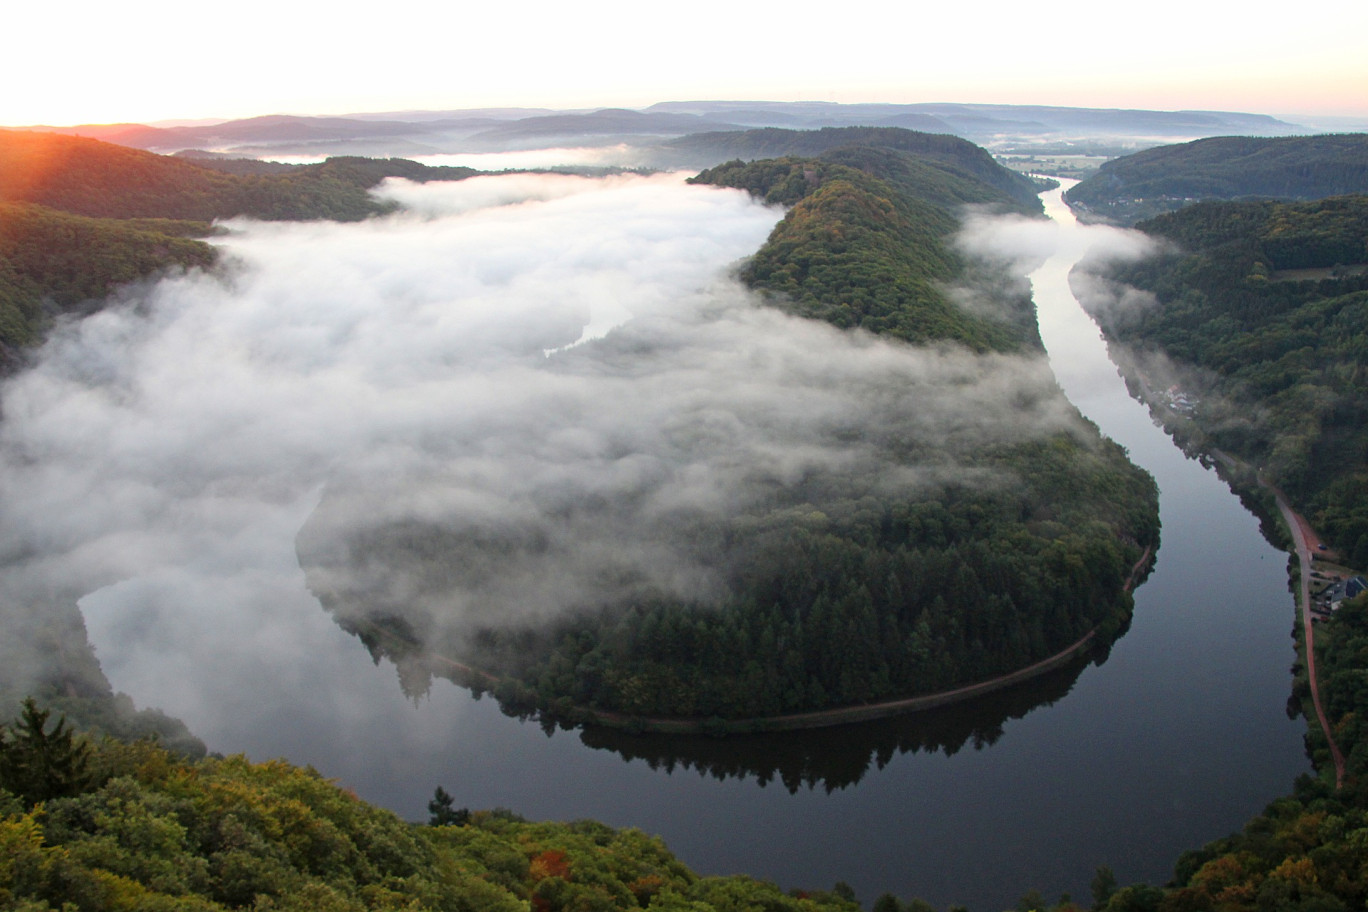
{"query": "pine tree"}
[(441, 812), (38, 765)]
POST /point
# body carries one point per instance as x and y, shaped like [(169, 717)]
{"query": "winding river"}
[(1175, 739)]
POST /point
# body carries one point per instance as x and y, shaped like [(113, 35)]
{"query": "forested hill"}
[(1263, 309), (112, 826), (53, 261), (102, 180), (892, 267), (79, 217), (1126, 190), (948, 170)]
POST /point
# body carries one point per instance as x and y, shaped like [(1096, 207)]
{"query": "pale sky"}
[(148, 60)]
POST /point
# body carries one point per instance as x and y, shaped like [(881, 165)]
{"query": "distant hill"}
[(104, 180), (78, 217), (610, 121), (985, 121), (940, 168), (888, 271), (412, 133), (1225, 167)]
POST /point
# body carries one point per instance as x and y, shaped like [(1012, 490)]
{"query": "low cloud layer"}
[(1028, 242), (397, 371)]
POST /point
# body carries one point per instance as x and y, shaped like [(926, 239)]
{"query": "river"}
[(1176, 739)]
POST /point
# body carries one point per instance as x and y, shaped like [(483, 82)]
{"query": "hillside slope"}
[(79, 217), (144, 829), (1261, 315), (53, 262), (103, 180), (1139, 186), (859, 250)]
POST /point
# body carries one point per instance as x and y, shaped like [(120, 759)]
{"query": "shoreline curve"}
[(820, 718)]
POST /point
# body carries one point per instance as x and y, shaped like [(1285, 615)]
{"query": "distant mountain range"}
[(504, 129)]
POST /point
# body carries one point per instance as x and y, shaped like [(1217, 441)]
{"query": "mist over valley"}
[(636, 454)]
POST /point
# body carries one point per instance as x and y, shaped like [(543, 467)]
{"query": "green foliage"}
[(1287, 354), (855, 251), (1224, 167), (222, 834), (1342, 663), (53, 262), (1103, 886)]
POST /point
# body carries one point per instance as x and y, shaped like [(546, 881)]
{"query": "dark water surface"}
[(1175, 739)]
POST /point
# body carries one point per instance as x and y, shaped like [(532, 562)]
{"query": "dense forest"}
[(1139, 186), (1262, 308), (838, 589), (99, 824), (859, 250), (52, 262)]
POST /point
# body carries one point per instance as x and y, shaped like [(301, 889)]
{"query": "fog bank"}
[(165, 452)]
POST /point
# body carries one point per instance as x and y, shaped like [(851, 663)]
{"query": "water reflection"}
[(1177, 740), (816, 759)]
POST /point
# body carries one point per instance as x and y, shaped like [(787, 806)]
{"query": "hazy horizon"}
[(153, 60), (1329, 122)]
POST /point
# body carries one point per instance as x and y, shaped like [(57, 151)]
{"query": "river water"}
[(1175, 739)]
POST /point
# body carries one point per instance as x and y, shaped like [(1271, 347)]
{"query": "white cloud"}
[(398, 365)]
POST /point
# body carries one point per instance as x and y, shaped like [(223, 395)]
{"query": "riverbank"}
[(826, 718), (1301, 539)]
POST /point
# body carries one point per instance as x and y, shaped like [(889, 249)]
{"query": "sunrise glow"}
[(154, 60)]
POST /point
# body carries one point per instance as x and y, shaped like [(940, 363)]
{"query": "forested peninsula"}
[(838, 590)]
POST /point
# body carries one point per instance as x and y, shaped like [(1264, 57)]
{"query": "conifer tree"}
[(37, 764), (442, 812)]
